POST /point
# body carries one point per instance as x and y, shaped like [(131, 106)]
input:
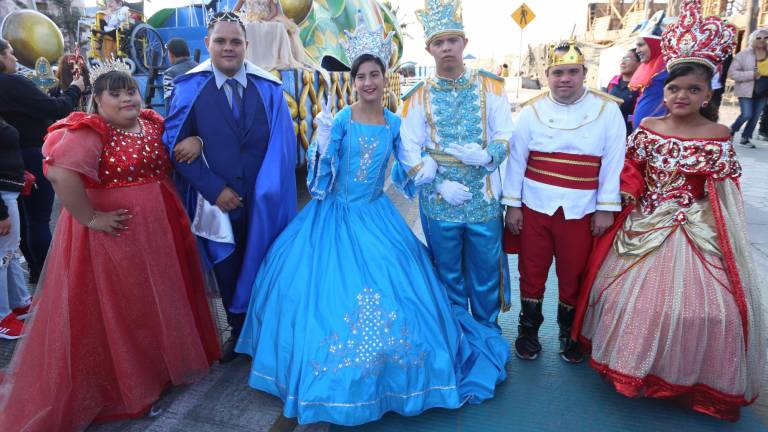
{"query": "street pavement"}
[(222, 401)]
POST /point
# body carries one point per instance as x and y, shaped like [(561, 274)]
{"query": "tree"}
[(60, 11)]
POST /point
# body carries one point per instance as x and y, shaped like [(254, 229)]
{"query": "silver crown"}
[(225, 16), (108, 65), (367, 41)]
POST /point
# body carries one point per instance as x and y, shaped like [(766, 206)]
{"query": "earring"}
[(705, 104)]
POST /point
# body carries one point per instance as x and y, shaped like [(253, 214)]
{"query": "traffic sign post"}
[(522, 16)]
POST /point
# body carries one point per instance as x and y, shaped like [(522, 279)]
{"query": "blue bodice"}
[(354, 166)]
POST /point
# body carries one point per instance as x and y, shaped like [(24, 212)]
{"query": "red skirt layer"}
[(698, 397), (116, 319)]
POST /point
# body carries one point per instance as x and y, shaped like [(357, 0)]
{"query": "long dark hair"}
[(64, 73), (366, 58), (110, 81), (709, 112)]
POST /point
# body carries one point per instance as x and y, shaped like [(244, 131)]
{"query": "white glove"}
[(470, 154), (454, 193), (324, 121), (427, 172)]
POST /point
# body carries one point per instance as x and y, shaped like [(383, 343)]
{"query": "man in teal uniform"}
[(459, 123)]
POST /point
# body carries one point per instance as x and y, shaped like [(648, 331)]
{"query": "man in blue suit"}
[(237, 113)]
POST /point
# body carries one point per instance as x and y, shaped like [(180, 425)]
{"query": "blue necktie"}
[(237, 100)]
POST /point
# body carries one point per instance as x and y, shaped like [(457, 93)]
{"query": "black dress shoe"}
[(228, 352)]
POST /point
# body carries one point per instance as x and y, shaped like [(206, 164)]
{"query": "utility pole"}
[(648, 8), (753, 10)]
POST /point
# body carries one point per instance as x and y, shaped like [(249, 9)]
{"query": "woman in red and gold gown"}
[(671, 305), (121, 312)]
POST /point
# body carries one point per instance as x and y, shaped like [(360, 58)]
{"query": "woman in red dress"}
[(121, 312), (672, 306)]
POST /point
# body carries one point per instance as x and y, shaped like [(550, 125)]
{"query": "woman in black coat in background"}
[(30, 111)]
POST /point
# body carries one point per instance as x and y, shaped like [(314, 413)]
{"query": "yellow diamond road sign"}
[(523, 15)]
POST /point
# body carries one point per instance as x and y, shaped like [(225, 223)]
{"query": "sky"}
[(489, 26), (490, 29)]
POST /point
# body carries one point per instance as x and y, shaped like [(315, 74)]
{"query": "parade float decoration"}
[(32, 36), (140, 42)]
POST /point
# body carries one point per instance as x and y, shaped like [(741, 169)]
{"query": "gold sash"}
[(643, 234)]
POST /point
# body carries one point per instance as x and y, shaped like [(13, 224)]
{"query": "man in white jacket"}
[(561, 187)]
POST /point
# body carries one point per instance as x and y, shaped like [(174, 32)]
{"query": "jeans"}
[(763, 128), (13, 287), (751, 108), (35, 211)]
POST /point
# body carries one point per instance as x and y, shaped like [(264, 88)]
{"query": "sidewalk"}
[(542, 395)]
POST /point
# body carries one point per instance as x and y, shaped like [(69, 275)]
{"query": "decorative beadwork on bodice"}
[(257, 10), (130, 159), (457, 110), (368, 147), (676, 169)]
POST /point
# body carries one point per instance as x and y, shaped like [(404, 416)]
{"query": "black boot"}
[(569, 348), (527, 344)]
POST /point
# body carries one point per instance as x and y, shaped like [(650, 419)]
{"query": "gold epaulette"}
[(412, 90), (490, 75), (535, 98), (603, 95)]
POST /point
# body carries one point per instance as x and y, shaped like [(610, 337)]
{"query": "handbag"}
[(761, 86), (30, 182)]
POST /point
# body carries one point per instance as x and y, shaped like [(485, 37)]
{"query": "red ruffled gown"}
[(116, 319), (671, 304)]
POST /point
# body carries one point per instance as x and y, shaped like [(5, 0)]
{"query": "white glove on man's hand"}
[(427, 172), (454, 193), (324, 121), (470, 154)]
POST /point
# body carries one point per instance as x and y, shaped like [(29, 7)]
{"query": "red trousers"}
[(544, 237)]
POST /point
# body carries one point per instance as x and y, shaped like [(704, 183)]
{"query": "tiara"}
[(441, 17), (228, 16), (572, 56), (366, 41), (695, 39), (108, 65)]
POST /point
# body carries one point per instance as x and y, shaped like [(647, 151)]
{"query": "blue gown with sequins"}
[(347, 319)]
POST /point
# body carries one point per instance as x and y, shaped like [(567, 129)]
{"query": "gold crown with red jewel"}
[(696, 39)]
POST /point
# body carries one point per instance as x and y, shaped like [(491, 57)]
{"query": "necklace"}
[(137, 130)]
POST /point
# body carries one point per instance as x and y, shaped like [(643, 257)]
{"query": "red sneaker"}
[(22, 313), (11, 327)]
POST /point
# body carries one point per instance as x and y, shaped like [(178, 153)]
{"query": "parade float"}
[(140, 41)]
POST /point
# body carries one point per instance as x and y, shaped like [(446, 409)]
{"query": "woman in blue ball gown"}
[(348, 320)]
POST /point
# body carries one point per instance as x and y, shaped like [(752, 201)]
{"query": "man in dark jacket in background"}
[(181, 63)]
